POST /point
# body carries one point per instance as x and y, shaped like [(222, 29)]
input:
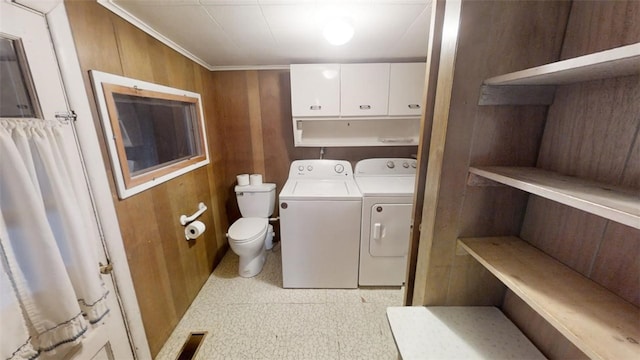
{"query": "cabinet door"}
[(364, 89), (406, 84), (315, 90)]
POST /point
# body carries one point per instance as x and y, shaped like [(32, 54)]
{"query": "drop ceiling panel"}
[(414, 42), (244, 25), (191, 28), (229, 2), (247, 28), (157, 2), (281, 32), (282, 19)]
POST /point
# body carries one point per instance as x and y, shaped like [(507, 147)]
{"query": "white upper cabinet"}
[(373, 104), (406, 84), (364, 89), (315, 90)]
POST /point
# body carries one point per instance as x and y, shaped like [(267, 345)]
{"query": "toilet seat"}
[(248, 229)]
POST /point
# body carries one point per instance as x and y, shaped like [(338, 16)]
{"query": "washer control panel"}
[(386, 166), (320, 169)]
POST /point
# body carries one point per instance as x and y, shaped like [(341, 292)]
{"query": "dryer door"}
[(390, 229)]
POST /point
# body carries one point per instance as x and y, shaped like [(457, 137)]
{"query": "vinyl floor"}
[(256, 318)]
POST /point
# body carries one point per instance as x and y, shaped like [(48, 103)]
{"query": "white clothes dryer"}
[(387, 187), (320, 207)]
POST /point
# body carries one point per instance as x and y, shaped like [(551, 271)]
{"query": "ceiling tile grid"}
[(229, 34)]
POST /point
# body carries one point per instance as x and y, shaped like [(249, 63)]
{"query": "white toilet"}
[(247, 235)]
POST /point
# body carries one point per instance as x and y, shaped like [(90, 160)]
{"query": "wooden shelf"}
[(353, 143), (621, 61), (614, 203), (598, 322), (345, 132)]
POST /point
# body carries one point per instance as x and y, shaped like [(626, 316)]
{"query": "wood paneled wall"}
[(254, 111), (167, 271)]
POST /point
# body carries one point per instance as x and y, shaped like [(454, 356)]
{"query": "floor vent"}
[(191, 346)]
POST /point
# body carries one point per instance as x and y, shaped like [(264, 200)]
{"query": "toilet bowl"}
[(247, 239), (248, 235)]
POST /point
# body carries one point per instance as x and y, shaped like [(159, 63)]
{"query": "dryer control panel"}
[(386, 166), (320, 169)]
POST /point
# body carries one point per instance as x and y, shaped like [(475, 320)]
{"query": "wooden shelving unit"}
[(621, 61), (598, 322), (572, 276), (614, 203)]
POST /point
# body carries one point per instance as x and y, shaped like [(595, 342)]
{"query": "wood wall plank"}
[(601, 25), (472, 283), (631, 172), (162, 215), (538, 330), (275, 105), (591, 128), (569, 235), (492, 212), (255, 122), (217, 169), (101, 48), (617, 264), (133, 50), (231, 110), (167, 270)]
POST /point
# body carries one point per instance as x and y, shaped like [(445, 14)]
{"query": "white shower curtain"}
[(51, 291)]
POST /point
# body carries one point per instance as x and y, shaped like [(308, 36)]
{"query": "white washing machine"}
[(320, 207), (387, 187)]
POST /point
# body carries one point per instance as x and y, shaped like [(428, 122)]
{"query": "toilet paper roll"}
[(243, 179), (194, 229), (255, 179)]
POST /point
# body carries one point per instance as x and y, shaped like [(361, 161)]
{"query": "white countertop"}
[(457, 332)]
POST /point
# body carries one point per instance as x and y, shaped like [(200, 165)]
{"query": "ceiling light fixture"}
[(338, 32)]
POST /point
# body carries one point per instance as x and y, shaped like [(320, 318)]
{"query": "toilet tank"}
[(256, 200)]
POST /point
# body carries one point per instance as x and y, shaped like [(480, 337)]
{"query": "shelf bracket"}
[(516, 95), (460, 250), (480, 181)]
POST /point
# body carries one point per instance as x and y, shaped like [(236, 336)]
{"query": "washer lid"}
[(247, 229), (386, 185), (319, 189)]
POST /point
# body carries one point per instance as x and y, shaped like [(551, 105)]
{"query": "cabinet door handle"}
[(315, 107), (414, 106), (365, 107)]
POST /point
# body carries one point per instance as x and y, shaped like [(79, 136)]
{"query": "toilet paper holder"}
[(184, 219)]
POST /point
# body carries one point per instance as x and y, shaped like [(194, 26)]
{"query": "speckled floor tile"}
[(363, 332), (257, 319)]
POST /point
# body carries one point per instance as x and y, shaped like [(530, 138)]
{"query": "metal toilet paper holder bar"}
[(184, 219)]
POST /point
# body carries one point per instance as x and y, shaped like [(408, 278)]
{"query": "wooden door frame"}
[(419, 235)]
